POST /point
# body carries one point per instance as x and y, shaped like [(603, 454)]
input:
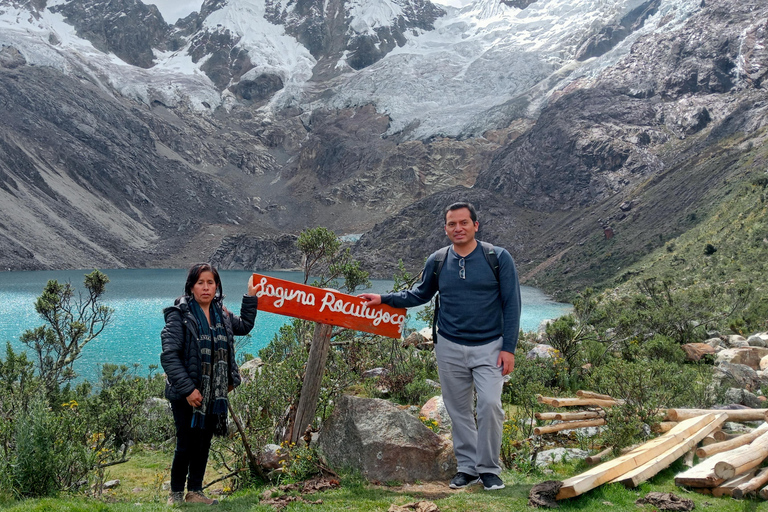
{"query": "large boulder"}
[(384, 443), (758, 340), (749, 356), (542, 351), (743, 397), (737, 376)]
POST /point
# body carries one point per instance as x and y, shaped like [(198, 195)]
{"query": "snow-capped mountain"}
[(456, 73), (127, 141)]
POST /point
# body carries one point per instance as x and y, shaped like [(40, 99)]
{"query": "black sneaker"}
[(461, 480), (491, 482)]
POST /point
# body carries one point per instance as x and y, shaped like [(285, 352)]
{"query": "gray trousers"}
[(464, 369)]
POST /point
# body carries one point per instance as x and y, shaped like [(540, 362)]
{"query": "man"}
[(477, 330)]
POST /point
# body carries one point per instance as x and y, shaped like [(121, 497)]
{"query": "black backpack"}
[(490, 257)]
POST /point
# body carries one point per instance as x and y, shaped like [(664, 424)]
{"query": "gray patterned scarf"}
[(214, 354)]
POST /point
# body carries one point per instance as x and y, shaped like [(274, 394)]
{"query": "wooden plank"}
[(708, 451), (640, 474), (615, 468), (733, 415), (568, 425), (728, 487), (743, 459), (327, 306), (750, 487)]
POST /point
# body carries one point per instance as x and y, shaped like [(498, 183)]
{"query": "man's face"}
[(459, 226)]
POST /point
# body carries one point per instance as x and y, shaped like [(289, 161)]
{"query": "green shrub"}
[(35, 468)]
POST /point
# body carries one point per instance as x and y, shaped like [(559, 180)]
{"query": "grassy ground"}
[(142, 478)]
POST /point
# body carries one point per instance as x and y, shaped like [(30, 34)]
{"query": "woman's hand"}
[(251, 287), (195, 399)]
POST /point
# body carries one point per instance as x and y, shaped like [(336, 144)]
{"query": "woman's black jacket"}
[(181, 350)]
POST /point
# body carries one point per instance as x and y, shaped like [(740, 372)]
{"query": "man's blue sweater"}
[(474, 310)]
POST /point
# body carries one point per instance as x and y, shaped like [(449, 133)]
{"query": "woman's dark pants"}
[(192, 447)]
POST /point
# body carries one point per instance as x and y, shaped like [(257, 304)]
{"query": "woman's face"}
[(204, 289)]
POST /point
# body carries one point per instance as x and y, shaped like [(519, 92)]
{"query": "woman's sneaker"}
[(199, 497), (491, 482), (176, 498), (461, 480)]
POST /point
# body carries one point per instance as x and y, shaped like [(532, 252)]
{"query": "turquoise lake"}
[(138, 297)]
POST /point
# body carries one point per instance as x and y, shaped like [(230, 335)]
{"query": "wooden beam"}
[(750, 487), (650, 468), (613, 469), (728, 487), (708, 451), (733, 415), (567, 425), (743, 459), (701, 475)]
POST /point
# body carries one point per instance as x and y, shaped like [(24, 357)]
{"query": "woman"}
[(199, 361)]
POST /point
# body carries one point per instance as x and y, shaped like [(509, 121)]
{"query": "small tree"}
[(70, 323), (322, 253)]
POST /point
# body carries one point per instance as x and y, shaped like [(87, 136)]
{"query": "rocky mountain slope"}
[(588, 133)]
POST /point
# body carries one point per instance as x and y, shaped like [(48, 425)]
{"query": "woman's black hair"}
[(194, 274)]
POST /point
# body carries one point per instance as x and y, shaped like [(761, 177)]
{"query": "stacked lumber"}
[(570, 420), (728, 466), (647, 459)]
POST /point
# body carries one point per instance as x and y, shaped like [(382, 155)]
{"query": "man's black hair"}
[(194, 274), (459, 206)]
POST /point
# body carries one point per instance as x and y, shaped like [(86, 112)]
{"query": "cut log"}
[(723, 436), (594, 459), (636, 476), (701, 475), (708, 451), (583, 415), (569, 416), (743, 459), (574, 402), (733, 415), (750, 487), (591, 394), (729, 486), (567, 425), (709, 440), (664, 426), (617, 467), (763, 493)]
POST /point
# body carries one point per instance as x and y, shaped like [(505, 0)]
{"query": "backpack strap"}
[(491, 258), (440, 257)]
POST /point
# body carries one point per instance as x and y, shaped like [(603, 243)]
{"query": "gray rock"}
[(542, 351), (743, 397), (111, 484), (714, 342), (750, 356), (736, 375), (735, 341), (384, 443), (271, 456), (375, 372), (547, 457), (251, 368), (758, 340)]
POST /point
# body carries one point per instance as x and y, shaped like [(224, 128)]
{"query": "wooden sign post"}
[(327, 306)]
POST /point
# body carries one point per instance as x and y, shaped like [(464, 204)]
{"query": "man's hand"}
[(373, 299), (195, 399), (251, 287), (507, 360)]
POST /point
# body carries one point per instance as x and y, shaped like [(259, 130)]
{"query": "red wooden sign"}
[(327, 306)]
